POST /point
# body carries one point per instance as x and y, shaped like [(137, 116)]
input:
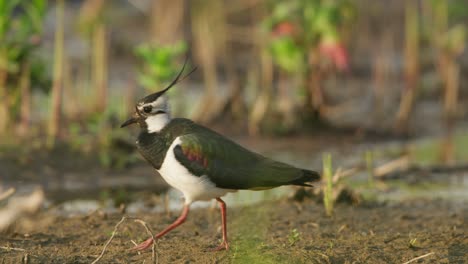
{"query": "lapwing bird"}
[(201, 163)]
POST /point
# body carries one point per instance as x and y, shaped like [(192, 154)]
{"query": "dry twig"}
[(340, 173), (110, 239), (401, 163), (12, 249), (154, 256), (420, 257), (114, 232)]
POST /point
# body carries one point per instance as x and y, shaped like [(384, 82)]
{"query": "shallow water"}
[(70, 193), (447, 186)]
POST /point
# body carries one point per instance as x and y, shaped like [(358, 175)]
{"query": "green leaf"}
[(287, 54), (158, 62)]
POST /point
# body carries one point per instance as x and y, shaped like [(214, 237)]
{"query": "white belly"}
[(193, 187)]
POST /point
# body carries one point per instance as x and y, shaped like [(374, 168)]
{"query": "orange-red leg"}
[(147, 243), (224, 245)]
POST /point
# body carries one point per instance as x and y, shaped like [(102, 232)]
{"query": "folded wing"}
[(229, 165)]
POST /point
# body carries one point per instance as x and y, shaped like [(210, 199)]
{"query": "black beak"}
[(130, 121)]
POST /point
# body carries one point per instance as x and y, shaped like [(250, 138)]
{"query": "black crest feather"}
[(152, 97)]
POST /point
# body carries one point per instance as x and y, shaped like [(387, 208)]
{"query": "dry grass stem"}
[(420, 257), (109, 241), (326, 258), (340, 173), (342, 228), (114, 232), (401, 163), (12, 249), (154, 256), (7, 194), (135, 244)]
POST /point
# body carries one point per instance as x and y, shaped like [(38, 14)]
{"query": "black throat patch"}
[(154, 146)]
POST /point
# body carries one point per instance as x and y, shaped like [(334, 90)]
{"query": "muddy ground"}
[(276, 232)]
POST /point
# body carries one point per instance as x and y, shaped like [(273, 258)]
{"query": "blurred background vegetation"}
[(72, 70), (371, 93)]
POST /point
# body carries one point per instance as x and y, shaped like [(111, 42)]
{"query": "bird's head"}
[(152, 111)]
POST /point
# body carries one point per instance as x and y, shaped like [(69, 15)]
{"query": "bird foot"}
[(145, 245), (224, 246)]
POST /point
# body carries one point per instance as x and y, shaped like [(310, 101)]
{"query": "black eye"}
[(147, 109)]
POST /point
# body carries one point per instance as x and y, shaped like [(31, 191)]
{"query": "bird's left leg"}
[(147, 243), (224, 245)]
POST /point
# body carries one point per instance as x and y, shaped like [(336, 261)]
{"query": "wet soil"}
[(274, 232)]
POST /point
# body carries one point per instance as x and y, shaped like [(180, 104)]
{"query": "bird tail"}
[(307, 177)]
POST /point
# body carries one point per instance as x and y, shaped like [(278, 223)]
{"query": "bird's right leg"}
[(224, 245), (147, 243)]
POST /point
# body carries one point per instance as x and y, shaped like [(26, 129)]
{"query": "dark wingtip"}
[(307, 177), (311, 175)]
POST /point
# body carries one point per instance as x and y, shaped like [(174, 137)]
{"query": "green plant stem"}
[(370, 168), (328, 192)]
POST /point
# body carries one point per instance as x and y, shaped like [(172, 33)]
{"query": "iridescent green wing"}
[(230, 166)]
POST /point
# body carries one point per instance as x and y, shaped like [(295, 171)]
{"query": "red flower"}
[(284, 28), (336, 52)]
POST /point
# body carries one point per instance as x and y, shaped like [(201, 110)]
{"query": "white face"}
[(159, 106), (156, 114)]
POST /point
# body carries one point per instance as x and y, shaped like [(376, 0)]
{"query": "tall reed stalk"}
[(449, 43), (100, 66), (208, 26), (4, 103), (262, 103), (411, 70), (25, 91), (57, 85)]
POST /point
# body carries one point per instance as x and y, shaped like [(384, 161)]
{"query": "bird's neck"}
[(156, 123)]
